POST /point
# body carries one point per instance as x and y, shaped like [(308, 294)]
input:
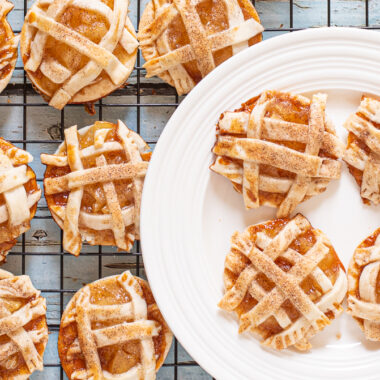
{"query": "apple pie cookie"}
[(78, 51), (363, 149), (93, 185), (182, 41), (284, 281), (23, 328), (363, 286), (8, 45), (279, 149), (113, 329), (20, 194)]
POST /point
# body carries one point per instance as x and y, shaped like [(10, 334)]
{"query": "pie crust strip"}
[(56, 160), (98, 222), (301, 184), (148, 360), (91, 176), (72, 240), (118, 226), (370, 188), (234, 173), (5, 8), (230, 37), (268, 153), (251, 170), (280, 130), (102, 313), (132, 152)]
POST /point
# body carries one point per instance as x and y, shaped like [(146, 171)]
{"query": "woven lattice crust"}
[(284, 281), (183, 41), (112, 329), (23, 328), (93, 185), (67, 60), (278, 150)]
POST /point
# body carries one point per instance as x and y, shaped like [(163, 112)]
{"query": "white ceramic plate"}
[(189, 213)]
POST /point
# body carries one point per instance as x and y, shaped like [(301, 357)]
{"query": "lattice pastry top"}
[(363, 286), (78, 51), (8, 45), (23, 327), (113, 329), (363, 149), (19, 195), (93, 185), (182, 41), (278, 149), (284, 281)]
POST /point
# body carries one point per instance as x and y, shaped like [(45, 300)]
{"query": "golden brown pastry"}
[(284, 281), (20, 194), (93, 185), (78, 51), (113, 329), (363, 149), (23, 328), (182, 41), (8, 45), (279, 149)]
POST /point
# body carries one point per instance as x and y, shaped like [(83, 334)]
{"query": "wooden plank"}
[(44, 123)]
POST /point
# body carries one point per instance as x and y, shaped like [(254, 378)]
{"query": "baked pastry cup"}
[(363, 275), (362, 154), (279, 149), (284, 281), (93, 185), (78, 52), (20, 194), (24, 332), (8, 45), (182, 41), (113, 329)]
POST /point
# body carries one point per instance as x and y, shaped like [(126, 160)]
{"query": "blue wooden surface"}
[(44, 123)]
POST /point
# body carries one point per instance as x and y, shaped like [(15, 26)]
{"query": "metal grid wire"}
[(132, 90)]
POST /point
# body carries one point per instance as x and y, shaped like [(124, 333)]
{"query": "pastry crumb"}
[(338, 336)]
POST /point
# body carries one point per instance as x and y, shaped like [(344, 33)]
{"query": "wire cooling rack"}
[(39, 252)]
